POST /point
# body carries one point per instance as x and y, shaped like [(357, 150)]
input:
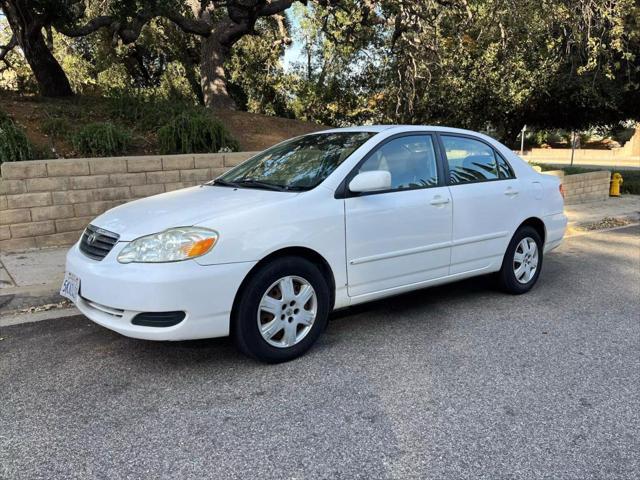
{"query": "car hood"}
[(181, 208)]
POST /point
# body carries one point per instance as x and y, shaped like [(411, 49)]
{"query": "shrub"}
[(56, 127), (630, 181), (145, 113), (195, 133), (14, 144), (101, 139)]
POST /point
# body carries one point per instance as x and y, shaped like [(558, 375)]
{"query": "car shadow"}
[(349, 319)]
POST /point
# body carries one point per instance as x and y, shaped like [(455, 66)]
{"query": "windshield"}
[(298, 164)]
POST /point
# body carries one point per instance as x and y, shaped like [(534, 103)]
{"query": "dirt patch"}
[(607, 222), (257, 132)]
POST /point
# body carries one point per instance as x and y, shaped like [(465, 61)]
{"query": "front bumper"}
[(111, 294)]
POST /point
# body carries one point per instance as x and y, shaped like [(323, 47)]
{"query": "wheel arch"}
[(537, 224), (302, 252)]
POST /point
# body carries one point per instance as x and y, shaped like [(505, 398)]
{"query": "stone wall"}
[(584, 187), (49, 202)]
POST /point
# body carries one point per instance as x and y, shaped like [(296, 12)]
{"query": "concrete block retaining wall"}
[(584, 187), (49, 202)]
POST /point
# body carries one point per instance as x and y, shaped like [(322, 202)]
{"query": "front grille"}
[(96, 243)]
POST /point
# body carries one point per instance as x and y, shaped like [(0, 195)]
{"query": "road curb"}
[(19, 318), (13, 299)]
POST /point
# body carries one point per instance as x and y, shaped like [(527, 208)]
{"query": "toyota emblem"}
[(92, 238)]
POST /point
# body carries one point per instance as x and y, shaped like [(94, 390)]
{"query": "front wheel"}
[(282, 311), (522, 262)]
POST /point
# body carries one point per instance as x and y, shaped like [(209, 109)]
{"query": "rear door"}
[(400, 236), (486, 199)]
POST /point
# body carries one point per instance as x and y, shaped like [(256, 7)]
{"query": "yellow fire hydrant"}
[(616, 181)]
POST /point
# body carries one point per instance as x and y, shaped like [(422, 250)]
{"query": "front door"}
[(400, 236)]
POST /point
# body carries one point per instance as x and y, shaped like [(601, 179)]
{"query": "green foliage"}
[(622, 134), (493, 65), (257, 79), (101, 139), (485, 65), (56, 127), (146, 112), (630, 182), (195, 133), (14, 144)]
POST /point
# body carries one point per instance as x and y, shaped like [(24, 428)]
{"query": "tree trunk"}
[(51, 79), (212, 74)]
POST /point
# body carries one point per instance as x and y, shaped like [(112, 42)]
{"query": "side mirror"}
[(371, 181)]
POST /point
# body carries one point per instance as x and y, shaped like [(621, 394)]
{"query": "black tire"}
[(506, 276), (245, 330)]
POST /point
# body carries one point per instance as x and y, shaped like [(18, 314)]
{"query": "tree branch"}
[(273, 7), (89, 27), (189, 25), (284, 39), (5, 49)]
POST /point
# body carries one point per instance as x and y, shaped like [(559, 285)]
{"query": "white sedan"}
[(319, 222)]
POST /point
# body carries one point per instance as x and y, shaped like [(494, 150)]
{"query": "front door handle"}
[(438, 200), (510, 192)]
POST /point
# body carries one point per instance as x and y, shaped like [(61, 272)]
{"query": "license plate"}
[(70, 287)]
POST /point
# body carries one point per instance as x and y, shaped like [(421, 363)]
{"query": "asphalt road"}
[(453, 382)]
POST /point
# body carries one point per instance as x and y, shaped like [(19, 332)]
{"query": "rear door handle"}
[(438, 200), (510, 192)]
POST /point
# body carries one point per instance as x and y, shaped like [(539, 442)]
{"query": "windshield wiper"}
[(251, 182), (223, 183)]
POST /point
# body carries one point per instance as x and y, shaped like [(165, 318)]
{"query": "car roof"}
[(362, 128), (399, 129)]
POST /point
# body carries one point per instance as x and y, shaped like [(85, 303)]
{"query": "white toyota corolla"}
[(316, 223)]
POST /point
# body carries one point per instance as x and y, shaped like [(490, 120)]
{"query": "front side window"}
[(469, 160), (411, 160), (299, 164)]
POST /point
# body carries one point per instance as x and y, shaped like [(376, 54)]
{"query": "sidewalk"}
[(33, 278), (30, 278), (626, 206)]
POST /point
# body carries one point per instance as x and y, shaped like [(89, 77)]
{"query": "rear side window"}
[(504, 169), (411, 160), (472, 161)]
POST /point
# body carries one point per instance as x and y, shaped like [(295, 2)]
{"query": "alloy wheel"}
[(525, 260), (287, 311)]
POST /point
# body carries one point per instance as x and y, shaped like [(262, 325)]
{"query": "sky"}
[(293, 53)]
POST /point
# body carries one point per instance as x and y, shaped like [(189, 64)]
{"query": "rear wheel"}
[(522, 262), (283, 310)]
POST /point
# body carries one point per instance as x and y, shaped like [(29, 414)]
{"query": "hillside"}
[(33, 114)]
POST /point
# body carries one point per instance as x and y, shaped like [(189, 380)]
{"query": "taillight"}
[(561, 187)]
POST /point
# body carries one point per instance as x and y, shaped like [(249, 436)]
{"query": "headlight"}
[(172, 245)]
